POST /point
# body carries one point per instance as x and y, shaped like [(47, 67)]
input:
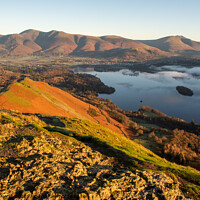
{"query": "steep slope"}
[(38, 97), (173, 43)]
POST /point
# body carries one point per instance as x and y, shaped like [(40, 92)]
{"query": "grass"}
[(28, 85), (46, 95), (130, 148), (60, 130), (14, 99), (192, 189), (7, 119), (36, 127)]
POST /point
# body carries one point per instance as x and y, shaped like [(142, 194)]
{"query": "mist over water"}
[(157, 90)]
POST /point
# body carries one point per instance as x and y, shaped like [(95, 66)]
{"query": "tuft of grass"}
[(36, 127), (60, 130), (7, 119)]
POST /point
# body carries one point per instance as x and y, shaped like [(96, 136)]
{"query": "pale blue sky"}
[(136, 19)]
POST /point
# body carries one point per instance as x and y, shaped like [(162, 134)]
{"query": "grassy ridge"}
[(129, 147), (29, 91)]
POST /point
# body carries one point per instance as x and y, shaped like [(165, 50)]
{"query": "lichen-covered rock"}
[(51, 166), (71, 174)]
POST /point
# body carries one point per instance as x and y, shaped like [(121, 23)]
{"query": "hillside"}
[(134, 54), (82, 152), (174, 44), (60, 43), (49, 157), (29, 96)]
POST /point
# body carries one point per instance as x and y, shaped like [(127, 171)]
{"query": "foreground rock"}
[(184, 91), (47, 170), (37, 164)]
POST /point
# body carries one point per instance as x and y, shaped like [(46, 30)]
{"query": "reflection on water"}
[(194, 71), (127, 85), (158, 90)]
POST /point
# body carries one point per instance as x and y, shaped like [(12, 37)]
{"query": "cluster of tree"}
[(183, 148), (59, 77)]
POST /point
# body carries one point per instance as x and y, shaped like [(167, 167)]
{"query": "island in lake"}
[(184, 91)]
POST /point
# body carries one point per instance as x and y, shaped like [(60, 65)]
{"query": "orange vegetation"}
[(30, 96)]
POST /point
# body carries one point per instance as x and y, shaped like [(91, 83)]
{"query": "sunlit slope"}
[(29, 96), (38, 162), (116, 143), (173, 43), (99, 138), (61, 43)]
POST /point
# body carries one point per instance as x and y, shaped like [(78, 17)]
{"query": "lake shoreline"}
[(155, 87)]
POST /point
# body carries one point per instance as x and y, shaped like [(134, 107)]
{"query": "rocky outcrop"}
[(36, 164)]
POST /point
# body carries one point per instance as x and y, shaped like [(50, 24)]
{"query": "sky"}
[(135, 19)]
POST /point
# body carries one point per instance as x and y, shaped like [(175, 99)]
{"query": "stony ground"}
[(58, 167), (37, 164)]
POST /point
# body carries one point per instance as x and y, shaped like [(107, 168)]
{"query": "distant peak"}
[(179, 36), (111, 36), (53, 31), (176, 36), (29, 30)]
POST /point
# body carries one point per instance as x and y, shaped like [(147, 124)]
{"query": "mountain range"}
[(61, 43)]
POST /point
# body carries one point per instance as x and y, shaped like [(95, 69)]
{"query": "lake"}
[(156, 89)]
